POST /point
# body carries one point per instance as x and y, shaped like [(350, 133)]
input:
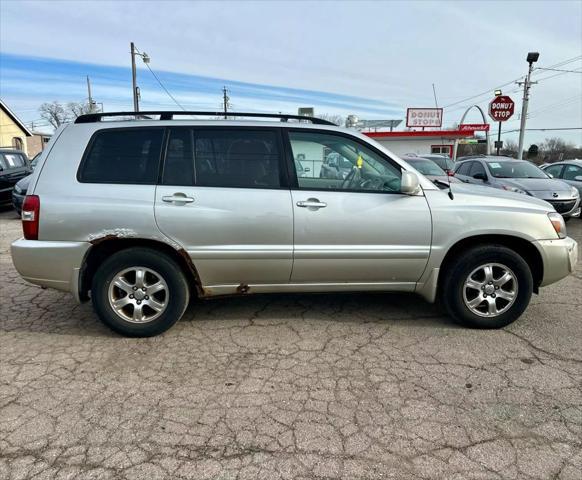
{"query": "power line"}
[(559, 70), (165, 89), (488, 91)]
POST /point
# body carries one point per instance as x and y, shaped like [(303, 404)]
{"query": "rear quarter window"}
[(122, 155)]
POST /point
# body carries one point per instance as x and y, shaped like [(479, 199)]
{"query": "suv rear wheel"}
[(487, 287), (139, 292)]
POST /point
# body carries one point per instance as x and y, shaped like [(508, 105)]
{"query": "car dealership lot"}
[(282, 386)]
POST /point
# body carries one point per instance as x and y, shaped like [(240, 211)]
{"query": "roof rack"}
[(169, 115)]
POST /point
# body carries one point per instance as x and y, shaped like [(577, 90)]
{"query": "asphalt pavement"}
[(352, 386)]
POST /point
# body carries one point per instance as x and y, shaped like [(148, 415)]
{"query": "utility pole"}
[(134, 80), (91, 103), (532, 57), (225, 100)]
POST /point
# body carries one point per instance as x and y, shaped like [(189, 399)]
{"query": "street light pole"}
[(532, 57), (134, 79)]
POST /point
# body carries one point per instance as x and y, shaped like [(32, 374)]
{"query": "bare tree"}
[(76, 109), (337, 119), (54, 113), (510, 149), (555, 149)]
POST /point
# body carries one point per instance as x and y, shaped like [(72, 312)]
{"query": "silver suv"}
[(139, 215)]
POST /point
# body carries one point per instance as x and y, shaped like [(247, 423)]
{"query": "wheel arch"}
[(105, 247), (524, 248)]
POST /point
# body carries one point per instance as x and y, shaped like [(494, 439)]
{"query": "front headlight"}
[(514, 189), (575, 192), (558, 223)]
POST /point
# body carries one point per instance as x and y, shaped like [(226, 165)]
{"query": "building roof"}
[(15, 119), (465, 133)]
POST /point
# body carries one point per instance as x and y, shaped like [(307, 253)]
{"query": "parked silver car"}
[(570, 171), (138, 215), (520, 176)]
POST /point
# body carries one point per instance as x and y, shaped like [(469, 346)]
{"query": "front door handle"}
[(312, 204), (177, 198)]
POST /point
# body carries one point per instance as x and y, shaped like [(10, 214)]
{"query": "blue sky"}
[(372, 59)]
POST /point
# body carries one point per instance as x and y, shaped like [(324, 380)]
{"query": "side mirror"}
[(409, 184), (578, 178), (549, 175), (480, 176)]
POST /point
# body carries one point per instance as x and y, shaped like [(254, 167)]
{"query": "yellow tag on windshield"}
[(360, 161)]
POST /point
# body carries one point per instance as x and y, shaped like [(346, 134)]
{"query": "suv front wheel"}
[(487, 287), (139, 292)]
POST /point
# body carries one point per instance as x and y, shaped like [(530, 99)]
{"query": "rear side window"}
[(237, 158), (11, 160), (130, 156)]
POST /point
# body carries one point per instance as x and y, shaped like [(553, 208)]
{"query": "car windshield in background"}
[(11, 160), (515, 169), (426, 167), (443, 162)]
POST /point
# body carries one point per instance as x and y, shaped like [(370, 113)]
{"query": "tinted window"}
[(179, 163), (123, 156), (12, 160), (554, 170), (463, 168), (571, 172), (237, 158), (336, 162), (477, 168), (426, 167)]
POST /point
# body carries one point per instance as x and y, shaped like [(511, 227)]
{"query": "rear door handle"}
[(177, 198), (311, 203)]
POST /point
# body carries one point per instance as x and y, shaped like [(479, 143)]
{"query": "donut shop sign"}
[(424, 117)]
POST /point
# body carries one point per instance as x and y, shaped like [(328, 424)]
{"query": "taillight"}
[(450, 173), (30, 216)]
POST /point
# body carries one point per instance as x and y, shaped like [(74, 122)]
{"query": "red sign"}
[(474, 127), (501, 108)]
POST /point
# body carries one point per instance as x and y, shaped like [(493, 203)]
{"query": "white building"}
[(422, 141)]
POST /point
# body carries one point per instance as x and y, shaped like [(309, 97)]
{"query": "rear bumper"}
[(559, 257), (50, 264)]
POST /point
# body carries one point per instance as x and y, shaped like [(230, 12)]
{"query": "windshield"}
[(442, 162), (11, 160), (515, 169), (426, 167)]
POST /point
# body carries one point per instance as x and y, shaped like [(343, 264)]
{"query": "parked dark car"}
[(431, 171), (21, 187), (520, 176), (14, 165)]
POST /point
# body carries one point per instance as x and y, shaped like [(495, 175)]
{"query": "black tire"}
[(154, 261), (452, 288)]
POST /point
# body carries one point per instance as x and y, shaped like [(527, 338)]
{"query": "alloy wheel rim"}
[(490, 290), (138, 294)]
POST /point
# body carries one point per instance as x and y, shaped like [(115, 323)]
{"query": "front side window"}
[(237, 158), (335, 162), (554, 170), (477, 169), (463, 168), (571, 172), (130, 156)]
